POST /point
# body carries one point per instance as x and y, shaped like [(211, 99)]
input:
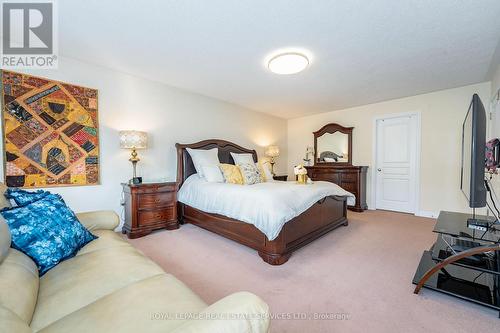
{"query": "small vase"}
[(301, 179)]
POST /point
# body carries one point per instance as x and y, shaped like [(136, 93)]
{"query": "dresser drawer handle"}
[(157, 200)]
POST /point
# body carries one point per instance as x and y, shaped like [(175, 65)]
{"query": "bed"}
[(323, 216)]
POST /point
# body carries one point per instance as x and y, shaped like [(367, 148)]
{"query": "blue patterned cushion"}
[(22, 197), (47, 231)]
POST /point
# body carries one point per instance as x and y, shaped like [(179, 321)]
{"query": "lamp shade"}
[(272, 151), (133, 140)]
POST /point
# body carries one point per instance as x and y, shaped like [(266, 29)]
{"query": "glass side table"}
[(472, 274)]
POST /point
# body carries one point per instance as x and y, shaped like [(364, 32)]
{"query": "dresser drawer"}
[(158, 215), (327, 177), (156, 200), (349, 176), (349, 186)]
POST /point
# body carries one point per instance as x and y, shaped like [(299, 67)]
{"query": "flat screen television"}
[(473, 154)]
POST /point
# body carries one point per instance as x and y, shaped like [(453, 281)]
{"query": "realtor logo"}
[(28, 34)]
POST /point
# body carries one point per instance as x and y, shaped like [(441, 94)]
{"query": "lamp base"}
[(272, 167), (135, 180)]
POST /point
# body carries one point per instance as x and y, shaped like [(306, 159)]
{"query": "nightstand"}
[(148, 207), (282, 177)]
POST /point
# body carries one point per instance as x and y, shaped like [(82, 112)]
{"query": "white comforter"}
[(268, 206)]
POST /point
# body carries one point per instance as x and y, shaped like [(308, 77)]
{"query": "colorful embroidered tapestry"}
[(50, 132)]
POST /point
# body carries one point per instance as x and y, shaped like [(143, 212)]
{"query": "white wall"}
[(442, 115), (495, 123), (169, 115), (495, 82)]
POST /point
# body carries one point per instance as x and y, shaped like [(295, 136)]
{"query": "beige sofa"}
[(111, 287)]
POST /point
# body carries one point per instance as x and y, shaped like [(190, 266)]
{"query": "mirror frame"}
[(332, 128)]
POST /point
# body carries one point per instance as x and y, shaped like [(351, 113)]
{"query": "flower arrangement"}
[(300, 170)]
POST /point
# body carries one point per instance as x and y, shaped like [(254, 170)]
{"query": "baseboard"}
[(426, 213), (420, 213)]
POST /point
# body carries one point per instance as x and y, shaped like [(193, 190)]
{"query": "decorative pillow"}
[(212, 174), (265, 171), (202, 157), (22, 197), (242, 158), (232, 174), (250, 173), (47, 231)]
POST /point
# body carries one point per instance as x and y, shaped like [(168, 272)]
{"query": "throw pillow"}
[(23, 197), (203, 157), (232, 174), (212, 174), (47, 231), (242, 158), (265, 171), (250, 173)]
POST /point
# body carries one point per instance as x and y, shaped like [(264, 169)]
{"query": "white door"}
[(396, 163)]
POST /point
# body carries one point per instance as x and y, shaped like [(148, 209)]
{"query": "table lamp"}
[(134, 140), (272, 152)]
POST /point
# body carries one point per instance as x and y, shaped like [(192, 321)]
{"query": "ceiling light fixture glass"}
[(288, 63)]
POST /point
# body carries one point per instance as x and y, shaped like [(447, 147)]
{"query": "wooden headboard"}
[(185, 166)]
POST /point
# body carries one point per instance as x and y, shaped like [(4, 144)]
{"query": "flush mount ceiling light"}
[(288, 63)]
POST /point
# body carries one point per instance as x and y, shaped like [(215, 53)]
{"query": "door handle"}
[(379, 169)]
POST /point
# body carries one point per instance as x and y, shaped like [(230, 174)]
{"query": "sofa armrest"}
[(103, 219), (11, 322), (238, 312)]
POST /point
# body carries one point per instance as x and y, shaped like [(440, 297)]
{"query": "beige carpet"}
[(363, 270)]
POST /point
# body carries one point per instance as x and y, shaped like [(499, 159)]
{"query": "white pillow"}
[(242, 158), (212, 174), (203, 157), (266, 166)]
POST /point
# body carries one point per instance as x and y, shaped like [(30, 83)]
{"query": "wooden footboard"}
[(324, 216)]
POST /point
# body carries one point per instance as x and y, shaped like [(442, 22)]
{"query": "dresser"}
[(350, 178), (148, 207)]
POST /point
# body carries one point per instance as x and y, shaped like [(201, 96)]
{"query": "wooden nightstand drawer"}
[(155, 188), (154, 216), (156, 200)]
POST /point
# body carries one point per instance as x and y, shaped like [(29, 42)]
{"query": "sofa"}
[(109, 286)]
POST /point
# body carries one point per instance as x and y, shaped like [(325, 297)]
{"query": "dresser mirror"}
[(333, 145)]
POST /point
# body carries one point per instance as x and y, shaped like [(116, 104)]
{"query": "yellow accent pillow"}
[(232, 174)]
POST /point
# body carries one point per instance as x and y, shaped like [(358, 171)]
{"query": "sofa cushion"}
[(47, 231), (87, 277), (106, 239), (18, 285), (10, 322), (4, 239), (102, 219), (4, 202), (151, 303)]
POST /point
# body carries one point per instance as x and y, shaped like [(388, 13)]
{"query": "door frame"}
[(416, 208)]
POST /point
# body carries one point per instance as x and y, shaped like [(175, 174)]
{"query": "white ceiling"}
[(362, 51)]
